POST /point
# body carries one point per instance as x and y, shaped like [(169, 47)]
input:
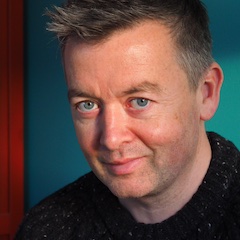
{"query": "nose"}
[(114, 128)]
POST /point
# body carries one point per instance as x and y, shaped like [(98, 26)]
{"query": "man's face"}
[(136, 119)]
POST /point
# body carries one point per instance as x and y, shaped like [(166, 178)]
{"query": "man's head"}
[(93, 21), (138, 121)]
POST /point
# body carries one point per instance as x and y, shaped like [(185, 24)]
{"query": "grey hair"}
[(92, 21)]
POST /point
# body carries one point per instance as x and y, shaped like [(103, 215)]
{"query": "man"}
[(141, 83)]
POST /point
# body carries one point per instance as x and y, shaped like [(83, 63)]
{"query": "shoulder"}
[(221, 147), (60, 212), (232, 217), (224, 179), (75, 195)]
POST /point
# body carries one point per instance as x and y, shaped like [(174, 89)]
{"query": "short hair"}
[(92, 21)]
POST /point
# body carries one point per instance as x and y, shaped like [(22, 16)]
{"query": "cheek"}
[(171, 134), (161, 132), (86, 135)]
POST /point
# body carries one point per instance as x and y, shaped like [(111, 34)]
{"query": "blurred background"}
[(52, 155)]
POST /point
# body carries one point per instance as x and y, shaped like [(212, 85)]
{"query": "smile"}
[(123, 167)]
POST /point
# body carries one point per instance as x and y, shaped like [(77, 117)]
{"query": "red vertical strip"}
[(4, 120), (11, 117), (16, 132)]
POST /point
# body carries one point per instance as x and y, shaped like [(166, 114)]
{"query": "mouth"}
[(123, 167)]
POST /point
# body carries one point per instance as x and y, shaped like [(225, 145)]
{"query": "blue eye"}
[(87, 106), (140, 103)]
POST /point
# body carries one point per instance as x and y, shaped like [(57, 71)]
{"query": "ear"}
[(210, 91)]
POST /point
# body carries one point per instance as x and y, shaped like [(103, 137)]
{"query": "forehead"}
[(142, 53), (145, 30)]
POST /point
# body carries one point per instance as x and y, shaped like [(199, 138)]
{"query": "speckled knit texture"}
[(86, 209)]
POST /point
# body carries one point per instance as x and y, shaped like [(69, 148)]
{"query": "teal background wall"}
[(52, 154)]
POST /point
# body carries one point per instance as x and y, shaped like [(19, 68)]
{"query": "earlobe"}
[(210, 91)]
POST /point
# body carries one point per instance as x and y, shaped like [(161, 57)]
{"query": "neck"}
[(159, 207)]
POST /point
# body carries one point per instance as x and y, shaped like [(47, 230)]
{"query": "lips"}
[(123, 167)]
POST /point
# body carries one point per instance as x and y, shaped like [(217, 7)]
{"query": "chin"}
[(128, 186), (127, 190)]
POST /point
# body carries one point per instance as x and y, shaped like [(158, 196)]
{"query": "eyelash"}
[(143, 100), (79, 106)]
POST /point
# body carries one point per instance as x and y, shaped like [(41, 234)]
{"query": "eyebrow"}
[(142, 87), (72, 93)]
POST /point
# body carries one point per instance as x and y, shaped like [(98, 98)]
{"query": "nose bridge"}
[(113, 127)]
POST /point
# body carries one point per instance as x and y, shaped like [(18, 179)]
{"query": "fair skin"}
[(138, 123)]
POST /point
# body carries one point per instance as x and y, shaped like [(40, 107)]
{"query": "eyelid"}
[(79, 106), (138, 107)]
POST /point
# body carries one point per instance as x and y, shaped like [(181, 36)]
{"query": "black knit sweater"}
[(86, 209)]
